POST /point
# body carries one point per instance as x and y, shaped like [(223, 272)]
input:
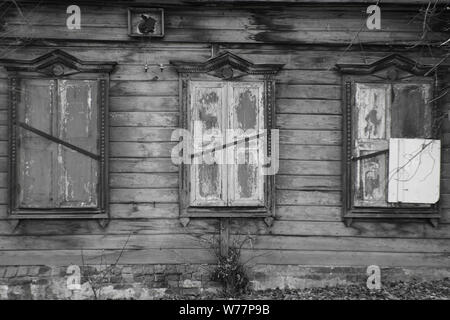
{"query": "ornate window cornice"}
[(392, 61), (227, 66), (57, 63)]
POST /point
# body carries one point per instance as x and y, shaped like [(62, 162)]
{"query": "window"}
[(58, 137), (391, 154), (228, 106), (218, 107)]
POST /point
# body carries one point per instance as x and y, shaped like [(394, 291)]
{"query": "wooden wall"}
[(308, 229)]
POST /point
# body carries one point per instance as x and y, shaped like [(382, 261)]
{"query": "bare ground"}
[(411, 290)]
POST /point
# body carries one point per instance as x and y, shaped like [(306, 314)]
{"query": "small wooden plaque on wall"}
[(146, 22)]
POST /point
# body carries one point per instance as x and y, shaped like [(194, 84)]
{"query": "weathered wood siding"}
[(308, 229)]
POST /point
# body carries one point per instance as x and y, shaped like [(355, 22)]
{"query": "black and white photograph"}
[(224, 155)]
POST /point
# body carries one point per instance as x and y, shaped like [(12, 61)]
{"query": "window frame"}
[(391, 70), (58, 65), (227, 67)]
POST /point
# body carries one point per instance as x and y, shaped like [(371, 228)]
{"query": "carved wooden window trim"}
[(58, 65), (230, 68), (393, 69)]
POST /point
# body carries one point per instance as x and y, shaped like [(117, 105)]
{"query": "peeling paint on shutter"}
[(208, 175), (35, 153), (77, 174), (411, 113), (414, 170), (49, 174), (246, 118), (372, 134)]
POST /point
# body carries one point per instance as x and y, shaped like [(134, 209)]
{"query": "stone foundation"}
[(158, 281)]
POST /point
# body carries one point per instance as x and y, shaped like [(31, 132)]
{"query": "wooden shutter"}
[(51, 175), (36, 165), (207, 108), (246, 119), (77, 123), (411, 112), (372, 132)]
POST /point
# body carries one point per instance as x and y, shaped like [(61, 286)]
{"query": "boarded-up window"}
[(225, 120), (57, 130), (383, 112)]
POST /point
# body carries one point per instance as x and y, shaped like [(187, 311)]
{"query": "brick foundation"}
[(158, 281)]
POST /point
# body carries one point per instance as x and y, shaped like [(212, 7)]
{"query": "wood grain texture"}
[(144, 110)]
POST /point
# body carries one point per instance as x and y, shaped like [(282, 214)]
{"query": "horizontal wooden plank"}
[(70, 257), (314, 137), (372, 229), (205, 256), (3, 118), (309, 122), (144, 210), (333, 258), (142, 165), (301, 76), (115, 226), (304, 106), (3, 195), (140, 134), (3, 100), (275, 18), (3, 179), (3, 148), (143, 103), (138, 72), (304, 58), (445, 215), (144, 119), (309, 183), (445, 200), (445, 170), (141, 149), (353, 244), (310, 167), (294, 197), (309, 213), (112, 33), (136, 52), (417, 230), (106, 242), (316, 91), (143, 195), (187, 241), (144, 180), (143, 88), (3, 164), (445, 186), (3, 133), (309, 152)]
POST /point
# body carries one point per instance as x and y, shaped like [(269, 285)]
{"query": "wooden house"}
[(353, 98)]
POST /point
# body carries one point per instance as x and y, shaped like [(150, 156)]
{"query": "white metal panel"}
[(414, 170)]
